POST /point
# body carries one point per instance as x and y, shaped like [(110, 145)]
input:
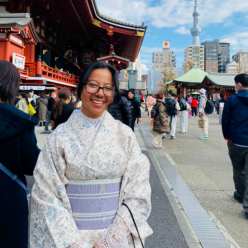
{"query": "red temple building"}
[(43, 36)]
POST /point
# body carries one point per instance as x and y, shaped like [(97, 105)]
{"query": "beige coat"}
[(22, 105), (42, 109), (161, 118)]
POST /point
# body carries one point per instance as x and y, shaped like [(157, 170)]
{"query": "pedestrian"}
[(89, 165), (217, 104), (189, 102), (33, 96), (50, 106), (17, 99), (30, 99), (202, 114), (184, 114), (62, 109), (135, 108), (223, 99), (18, 156), (47, 95), (160, 124), (172, 108), (23, 103), (42, 109), (234, 128), (150, 101), (122, 111), (194, 105)]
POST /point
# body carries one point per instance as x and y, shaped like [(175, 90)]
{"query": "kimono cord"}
[(134, 225)]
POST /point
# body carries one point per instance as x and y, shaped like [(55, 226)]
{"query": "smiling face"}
[(95, 104)]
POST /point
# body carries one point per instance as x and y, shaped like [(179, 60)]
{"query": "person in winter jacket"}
[(194, 105), (217, 104), (184, 114), (23, 103), (202, 114), (42, 103), (122, 110), (160, 124), (235, 131), (135, 108), (18, 155), (172, 108)]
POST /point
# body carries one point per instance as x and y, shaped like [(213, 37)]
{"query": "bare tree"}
[(241, 68), (188, 64)]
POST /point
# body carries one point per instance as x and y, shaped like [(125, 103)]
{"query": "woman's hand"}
[(163, 124)]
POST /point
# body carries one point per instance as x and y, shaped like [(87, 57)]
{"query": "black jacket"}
[(18, 153), (235, 118), (135, 108), (183, 104), (122, 110), (50, 104)]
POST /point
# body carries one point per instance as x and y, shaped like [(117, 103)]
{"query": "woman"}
[(184, 115), (62, 109), (194, 105), (122, 111), (161, 124), (150, 101), (42, 109), (18, 154), (94, 154), (23, 103), (189, 102), (30, 100)]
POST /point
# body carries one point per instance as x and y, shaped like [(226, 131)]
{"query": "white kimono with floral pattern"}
[(76, 151)]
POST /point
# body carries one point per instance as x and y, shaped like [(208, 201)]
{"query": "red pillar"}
[(7, 47), (32, 53)]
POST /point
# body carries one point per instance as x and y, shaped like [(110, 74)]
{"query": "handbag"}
[(201, 123), (188, 108), (134, 225), (16, 179), (31, 110)]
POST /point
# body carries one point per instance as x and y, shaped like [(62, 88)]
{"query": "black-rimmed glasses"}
[(93, 88)]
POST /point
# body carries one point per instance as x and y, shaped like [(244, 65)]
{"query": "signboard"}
[(87, 57), (12, 37), (24, 87), (18, 61), (166, 44)]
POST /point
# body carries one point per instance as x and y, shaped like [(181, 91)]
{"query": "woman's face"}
[(95, 104)]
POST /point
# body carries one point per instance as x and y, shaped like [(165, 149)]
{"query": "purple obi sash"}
[(94, 203)]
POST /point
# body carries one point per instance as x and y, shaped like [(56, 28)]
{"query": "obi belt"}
[(94, 203)]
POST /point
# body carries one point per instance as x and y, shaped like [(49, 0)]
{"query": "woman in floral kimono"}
[(89, 166)]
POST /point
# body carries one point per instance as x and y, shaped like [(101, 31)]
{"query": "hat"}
[(203, 91)]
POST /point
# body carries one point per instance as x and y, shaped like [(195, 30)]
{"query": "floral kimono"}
[(77, 151)]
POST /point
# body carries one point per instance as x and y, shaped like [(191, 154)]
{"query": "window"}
[(214, 66), (209, 66), (214, 70), (209, 58), (214, 62), (209, 70), (209, 62)]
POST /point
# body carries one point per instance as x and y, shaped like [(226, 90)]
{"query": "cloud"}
[(144, 69), (145, 49), (182, 30), (167, 13), (146, 61)]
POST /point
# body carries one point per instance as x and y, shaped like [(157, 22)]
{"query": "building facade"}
[(217, 56), (196, 54), (241, 58), (232, 67), (167, 56)]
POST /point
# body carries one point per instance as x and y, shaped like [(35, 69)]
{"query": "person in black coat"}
[(18, 153), (122, 110)]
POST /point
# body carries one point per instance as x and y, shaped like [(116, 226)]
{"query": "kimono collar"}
[(96, 128)]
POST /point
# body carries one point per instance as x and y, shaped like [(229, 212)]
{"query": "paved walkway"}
[(206, 168)]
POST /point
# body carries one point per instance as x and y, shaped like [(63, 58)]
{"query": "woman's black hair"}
[(242, 78), (9, 82), (99, 65), (24, 95), (42, 95)]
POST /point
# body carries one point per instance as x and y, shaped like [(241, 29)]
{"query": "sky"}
[(171, 20)]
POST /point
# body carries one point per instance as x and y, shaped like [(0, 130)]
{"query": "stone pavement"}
[(206, 168)]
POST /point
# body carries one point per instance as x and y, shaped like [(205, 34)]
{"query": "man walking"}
[(202, 113), (217, 104), (172, 108), (135, 108), (235, 131), (50, 106)]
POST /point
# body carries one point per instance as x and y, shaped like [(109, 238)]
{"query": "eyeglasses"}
[(93, 88)]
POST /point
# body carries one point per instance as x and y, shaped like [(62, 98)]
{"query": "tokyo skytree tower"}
[(196, 30)]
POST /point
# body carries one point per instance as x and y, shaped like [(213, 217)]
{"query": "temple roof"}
[(221, 80), (193, 76)]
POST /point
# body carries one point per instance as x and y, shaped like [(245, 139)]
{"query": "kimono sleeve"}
[(52, 224), (136, 192)]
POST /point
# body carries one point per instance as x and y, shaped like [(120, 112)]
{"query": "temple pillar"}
[(184, 91), (7, 48), (38, 59), (32, 53)]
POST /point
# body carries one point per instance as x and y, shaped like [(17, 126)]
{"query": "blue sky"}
[(171, 20)]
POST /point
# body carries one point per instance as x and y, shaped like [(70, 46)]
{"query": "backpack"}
[(209, 109), (171, 106), (154, 111)]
